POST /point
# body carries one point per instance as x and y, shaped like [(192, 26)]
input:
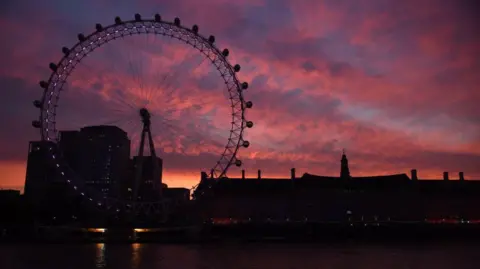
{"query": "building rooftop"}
[(344, 181)]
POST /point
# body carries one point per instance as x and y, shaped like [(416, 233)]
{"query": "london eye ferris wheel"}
[(129, 75)]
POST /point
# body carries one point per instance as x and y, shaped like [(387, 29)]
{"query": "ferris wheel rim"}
[(205, 46)]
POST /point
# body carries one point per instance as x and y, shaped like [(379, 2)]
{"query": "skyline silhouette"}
[(397, 95)]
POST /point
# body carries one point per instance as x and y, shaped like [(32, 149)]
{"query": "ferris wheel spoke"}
[(155, 90), (120, 107), (182, 130), (168, 84), (141, 78), (127, 105), (174, 76), (161, 81), (169, 94), (130, 102), (114, 113), (104, 74), (90, 79), (132, 72), (115, 121), (195, 141)]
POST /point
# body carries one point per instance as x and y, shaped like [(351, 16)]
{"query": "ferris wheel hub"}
[(145, 114)]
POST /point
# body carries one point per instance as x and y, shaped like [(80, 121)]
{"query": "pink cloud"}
[(395, 84)]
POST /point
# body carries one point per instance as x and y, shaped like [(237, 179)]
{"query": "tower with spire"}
[(344, 170)]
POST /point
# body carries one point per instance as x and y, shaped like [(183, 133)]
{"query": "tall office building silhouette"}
[(40, 174), (46, 193), (100, 155)]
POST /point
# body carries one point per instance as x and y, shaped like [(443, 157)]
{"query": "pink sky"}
[(393, 82)]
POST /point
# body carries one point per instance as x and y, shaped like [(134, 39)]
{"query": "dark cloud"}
[(16, 115)]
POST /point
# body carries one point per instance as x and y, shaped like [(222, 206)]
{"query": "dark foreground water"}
[(261, 256)]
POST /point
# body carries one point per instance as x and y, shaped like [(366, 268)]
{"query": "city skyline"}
[(397, 92)]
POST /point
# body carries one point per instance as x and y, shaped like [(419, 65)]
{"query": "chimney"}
[(414, 174), (460, 176), (259, 174), (445, 175), (292, 173), (243, 174), (211, 173)]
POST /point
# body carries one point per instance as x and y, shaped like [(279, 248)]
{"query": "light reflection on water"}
[(136, 255), (153, 256), (100, 256)]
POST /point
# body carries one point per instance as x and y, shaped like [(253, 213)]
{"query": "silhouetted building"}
[(47, 196), (177, 195), (344, 170), (40, 174), (71, 146), (147, 189), (10, 208), (312, 198), (100, 155)]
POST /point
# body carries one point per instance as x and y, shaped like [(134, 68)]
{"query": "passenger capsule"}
[(211, 39), (176, 21), (249, 104), (81, 37), (36, 124), (118, 20), (236, 68), (225, 52), (158, 18), (99, 27), (245, 85), (37, 103), (238, 163), (43, 84), (65, 51), (246, 144), (195, 29), (249, 124), (138, 17), (53, 67)]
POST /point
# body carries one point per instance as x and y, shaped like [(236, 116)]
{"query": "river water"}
[(261, 256)]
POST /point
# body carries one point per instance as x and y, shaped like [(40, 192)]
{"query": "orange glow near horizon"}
[(16, 179)]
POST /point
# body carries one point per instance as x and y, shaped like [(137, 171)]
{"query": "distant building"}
[(10, 205), (148, 185), (40, 174), (312, 198), (177, 196), (8, 196), (344, 170), (179, 204)]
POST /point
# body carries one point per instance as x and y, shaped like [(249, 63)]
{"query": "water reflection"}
[(136, 255), (221, 256), (100, 260)]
